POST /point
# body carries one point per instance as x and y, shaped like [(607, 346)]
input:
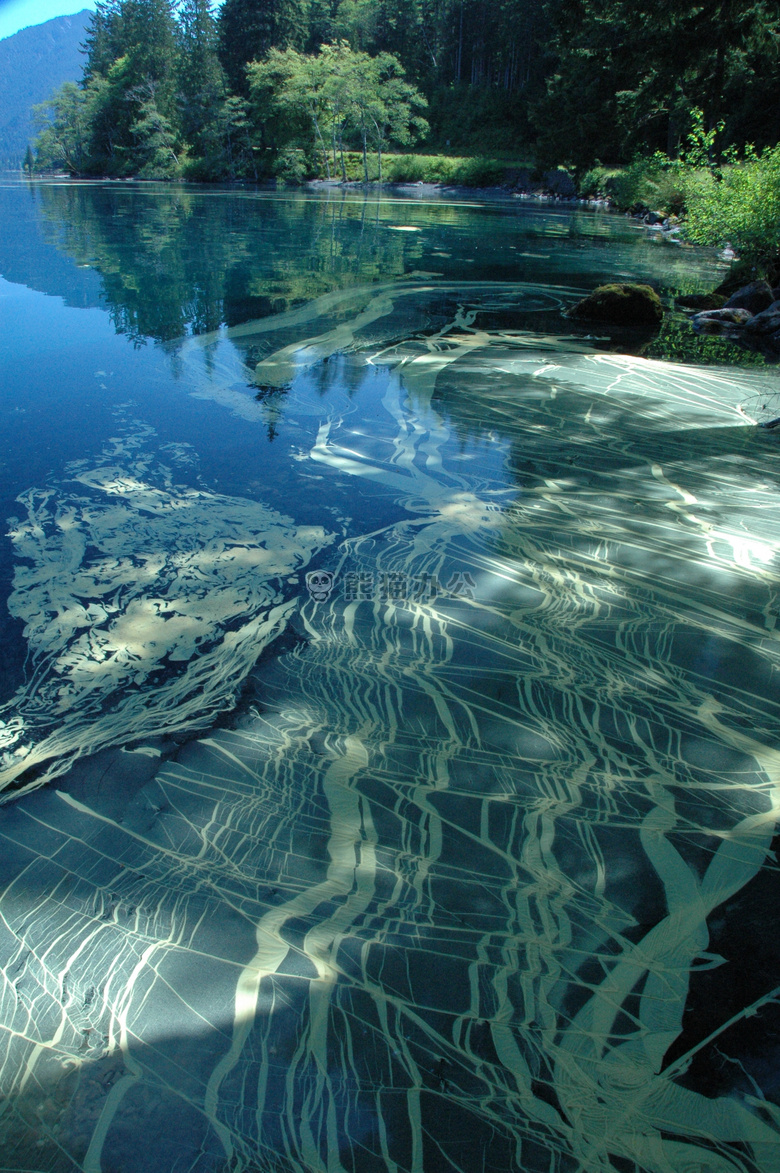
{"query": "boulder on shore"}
[(756, 296), (757, 331), (723, 321), (767, 322), (621, 305)]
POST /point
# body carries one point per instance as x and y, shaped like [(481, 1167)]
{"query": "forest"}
[(296, 89)]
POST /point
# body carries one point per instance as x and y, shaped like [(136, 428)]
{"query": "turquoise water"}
[(389, 707)]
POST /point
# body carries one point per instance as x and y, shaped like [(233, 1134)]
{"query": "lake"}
[(389, 728)]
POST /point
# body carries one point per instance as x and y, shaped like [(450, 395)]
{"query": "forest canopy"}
[(287, 87)]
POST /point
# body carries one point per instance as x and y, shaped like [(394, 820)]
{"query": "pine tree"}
[(201, 79), (626, 78), (131, 61), (248, 29), (102, 44), (149, 36)]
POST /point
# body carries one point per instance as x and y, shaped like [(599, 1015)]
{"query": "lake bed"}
[(389, 720)]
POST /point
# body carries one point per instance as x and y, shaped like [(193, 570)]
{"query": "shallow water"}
[(389, 712)]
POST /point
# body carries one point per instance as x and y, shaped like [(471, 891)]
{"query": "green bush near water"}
[(457, 170), (463, 172), (734, 200), (741, 205), (657, 182)]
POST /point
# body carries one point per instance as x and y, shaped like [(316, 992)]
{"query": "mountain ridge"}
[(34, 62)]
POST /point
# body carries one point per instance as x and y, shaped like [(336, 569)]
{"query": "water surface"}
[(389, 712)]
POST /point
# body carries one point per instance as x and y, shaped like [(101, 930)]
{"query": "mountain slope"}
[(33, 63)]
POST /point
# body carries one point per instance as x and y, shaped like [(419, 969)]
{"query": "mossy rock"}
[(621, 305), (701, 301)]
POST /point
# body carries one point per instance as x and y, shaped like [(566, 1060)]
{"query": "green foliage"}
[(598, 181), (479, 172), (201, 82), (63, 143), (604, 79), (249, 29), (292, 165), (676, 342), (324, 102), (739, 205), (658, 183), (154, 153), (700, 151), (458, 171), (421, 168), (477, 119), (624, 78)]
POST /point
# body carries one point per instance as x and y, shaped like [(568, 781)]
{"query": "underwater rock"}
[(621, 305), (145, 604), (741, 273)]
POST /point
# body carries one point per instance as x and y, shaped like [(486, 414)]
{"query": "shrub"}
[(739, 205), (292, 166), (597, 181), (407, 169), (476, 172), (656, 182), (479, 173)]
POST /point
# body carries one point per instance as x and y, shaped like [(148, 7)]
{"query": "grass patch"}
[(458, 170), (676, 342)]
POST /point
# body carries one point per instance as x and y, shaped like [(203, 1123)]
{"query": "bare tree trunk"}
[(318, 133), (378, 132), (341, 155), (716, 99), (429, 47)]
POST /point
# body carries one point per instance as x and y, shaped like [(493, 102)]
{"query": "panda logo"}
[(319, 584)]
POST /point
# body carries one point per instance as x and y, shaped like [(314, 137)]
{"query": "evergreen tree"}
[(248, 29), (149, 43), (102, 44), (627, 77), (131, 77), (201, 80)]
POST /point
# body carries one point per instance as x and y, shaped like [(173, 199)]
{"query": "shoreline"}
[(418, 187)]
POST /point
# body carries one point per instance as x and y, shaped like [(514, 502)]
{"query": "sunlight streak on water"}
[(438, 896)]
